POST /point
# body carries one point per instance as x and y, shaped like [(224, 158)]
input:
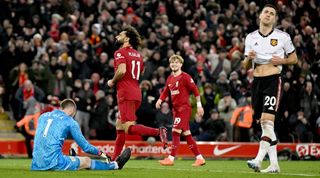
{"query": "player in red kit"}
[(128, 65), (179, 85)]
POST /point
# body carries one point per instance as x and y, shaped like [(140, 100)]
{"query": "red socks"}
[(137, 129), (142, 130), (192, 145), (175, 143), (119, 143)]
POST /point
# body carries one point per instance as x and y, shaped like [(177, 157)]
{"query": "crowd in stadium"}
[(55, 49)]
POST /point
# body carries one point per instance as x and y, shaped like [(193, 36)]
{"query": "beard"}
[(117, 44)]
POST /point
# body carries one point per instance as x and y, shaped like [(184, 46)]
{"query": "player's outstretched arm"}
[(81, 141)]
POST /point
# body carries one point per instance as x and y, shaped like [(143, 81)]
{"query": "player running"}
[(128, 65)]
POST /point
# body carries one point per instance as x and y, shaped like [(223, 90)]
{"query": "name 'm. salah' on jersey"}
[(180, 87), (128, 86), (276, 43)]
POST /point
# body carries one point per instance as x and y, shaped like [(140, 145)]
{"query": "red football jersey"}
[(179, 88), (128, 87)]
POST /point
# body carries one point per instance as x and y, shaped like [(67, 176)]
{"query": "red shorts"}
[(127, 110), (181, 117)]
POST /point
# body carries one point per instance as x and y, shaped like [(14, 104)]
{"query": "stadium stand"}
[(66, 49)]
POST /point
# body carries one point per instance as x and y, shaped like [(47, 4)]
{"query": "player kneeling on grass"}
[(53, 128), (179, 84)]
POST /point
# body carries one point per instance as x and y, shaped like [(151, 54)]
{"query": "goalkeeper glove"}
[(104, 155), (72, 152)]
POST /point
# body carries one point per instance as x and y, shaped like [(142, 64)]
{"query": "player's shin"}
[(266, 139), (100, 165), (272, 151), (192, 145), (120, 140), (175, 143), (273, 155)]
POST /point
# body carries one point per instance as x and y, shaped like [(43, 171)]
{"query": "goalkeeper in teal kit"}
[(53, 128)]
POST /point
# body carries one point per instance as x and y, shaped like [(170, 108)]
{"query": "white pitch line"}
[(220, 171)]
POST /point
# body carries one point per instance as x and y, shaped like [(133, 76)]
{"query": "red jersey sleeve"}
[(119, 57), (165, 92), (191, 85)]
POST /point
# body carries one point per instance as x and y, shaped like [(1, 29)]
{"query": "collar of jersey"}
[(266, 34)]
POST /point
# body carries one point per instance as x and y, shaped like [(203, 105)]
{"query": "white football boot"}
[(271, 169), (255, 165)]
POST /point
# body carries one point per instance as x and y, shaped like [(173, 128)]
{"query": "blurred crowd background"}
[(53, 49)]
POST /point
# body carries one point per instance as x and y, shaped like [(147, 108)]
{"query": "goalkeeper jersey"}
[(53, 128)]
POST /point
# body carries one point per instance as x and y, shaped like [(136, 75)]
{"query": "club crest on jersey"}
[(274, 42)]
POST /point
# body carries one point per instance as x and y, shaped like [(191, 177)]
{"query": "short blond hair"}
[(66, 103), (176, 57)]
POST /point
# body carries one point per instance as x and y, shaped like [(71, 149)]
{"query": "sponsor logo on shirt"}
[(274, 42), (175, 92), (119, 56)]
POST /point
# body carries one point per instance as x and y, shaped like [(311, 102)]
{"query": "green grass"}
[(18, 168)]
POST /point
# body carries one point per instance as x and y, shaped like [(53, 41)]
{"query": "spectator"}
[(226, 107), (208, 98), (223, 83), (99, 118), (84, 99), (301, 127), (164, 119), (219, 63), (242, 119), (4, 104), (213, 129), (30, 122), (97, 83), (19, 75), (24, 93), (52, 31), (59, 85), (309, 102), (235, 85), (146, 112)]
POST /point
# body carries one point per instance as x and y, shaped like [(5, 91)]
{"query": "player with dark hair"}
[(267, 50), (128, 65), (179, 85), (53, 128)]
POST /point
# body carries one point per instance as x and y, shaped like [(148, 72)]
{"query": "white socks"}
[(267, 131), (272, 151), (171, 158), (264, 146), (199, 157), (273, 155)]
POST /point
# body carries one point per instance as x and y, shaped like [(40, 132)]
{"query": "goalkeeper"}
[(53, 128)]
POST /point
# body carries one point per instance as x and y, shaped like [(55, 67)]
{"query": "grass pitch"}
[(18, 168)]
